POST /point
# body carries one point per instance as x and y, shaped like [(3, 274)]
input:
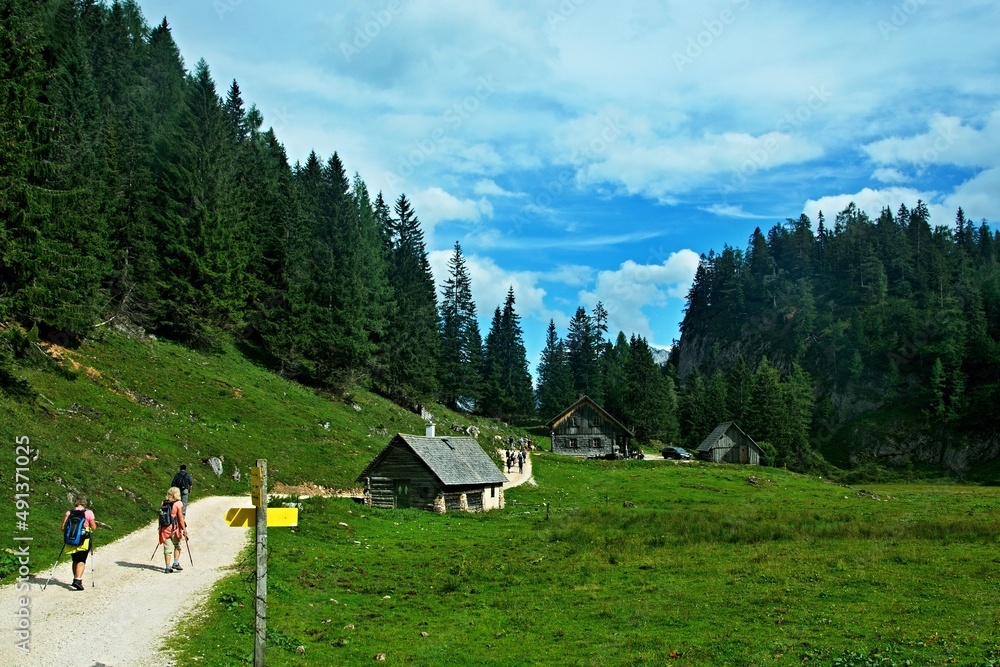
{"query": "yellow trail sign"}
[(277, 517)]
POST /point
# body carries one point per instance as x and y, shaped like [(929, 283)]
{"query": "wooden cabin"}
[(586, 429), (729, 444), (438, 474)]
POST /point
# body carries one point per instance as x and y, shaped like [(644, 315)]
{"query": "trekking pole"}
[(93, 557), (154, 550), (53, 572), (188, 543)]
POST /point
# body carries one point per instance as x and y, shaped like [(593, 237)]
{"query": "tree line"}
[(135, 196), (892, 319)]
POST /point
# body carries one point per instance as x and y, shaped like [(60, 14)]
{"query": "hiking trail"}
[(129, 605)]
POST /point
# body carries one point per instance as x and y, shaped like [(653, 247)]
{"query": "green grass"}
[(716, 565), (719, 565), (115, 418)]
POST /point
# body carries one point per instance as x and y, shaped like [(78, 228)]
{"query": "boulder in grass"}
[(215, 463)]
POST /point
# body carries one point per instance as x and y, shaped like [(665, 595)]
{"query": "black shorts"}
[(80, 556)]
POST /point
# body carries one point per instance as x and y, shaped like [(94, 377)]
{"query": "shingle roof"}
[(601, 411), (454, 460), (713, 437)]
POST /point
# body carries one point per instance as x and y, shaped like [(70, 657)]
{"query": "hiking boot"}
[(167, 570), (77, 585), (177, 566)]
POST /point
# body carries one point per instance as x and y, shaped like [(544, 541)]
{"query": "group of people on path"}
[(172, 527), (516, 457)]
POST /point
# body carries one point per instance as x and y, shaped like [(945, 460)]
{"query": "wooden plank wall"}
[(585, 432)]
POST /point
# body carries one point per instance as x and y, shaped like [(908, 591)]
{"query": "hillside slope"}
[(114, 419)]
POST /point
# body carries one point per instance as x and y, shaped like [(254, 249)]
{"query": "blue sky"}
[(583, 150)]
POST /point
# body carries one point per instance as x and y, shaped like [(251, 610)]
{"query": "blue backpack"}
[(75, 532)]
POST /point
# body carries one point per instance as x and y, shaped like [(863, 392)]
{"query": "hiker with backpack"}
[(182, 480), (78, 526), (172, 528)]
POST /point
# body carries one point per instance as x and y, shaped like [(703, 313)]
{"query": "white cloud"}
[(731, 211), (434, 205), (614, 147), (490, 283), (571, 274), (488, 186), (630, 288), (873, 201), (889, 175), (979, 197), (947, 141)]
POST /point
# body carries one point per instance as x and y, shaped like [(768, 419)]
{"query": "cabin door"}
[(744, 454), (402, 493)]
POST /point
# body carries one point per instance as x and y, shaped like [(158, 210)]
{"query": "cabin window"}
[(572, 443), (596, 443), (574, 421), (596, 421), (493, 492)]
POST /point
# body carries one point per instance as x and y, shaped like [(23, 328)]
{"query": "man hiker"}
[(172, 528), (80, 552), (182, 480)]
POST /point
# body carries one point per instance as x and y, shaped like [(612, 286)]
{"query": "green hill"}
[(114, 419)]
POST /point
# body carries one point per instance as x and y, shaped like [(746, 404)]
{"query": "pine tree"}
[(461, 344), (70, 253), (507, 391), (413, 338), (555, 380), (646, 393), (767, 410), (583, 345), (199, 272), (20, 123), (615, 377), (695, 422)]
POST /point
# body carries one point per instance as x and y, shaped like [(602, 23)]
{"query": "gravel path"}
[(515, 478), (130, 604)]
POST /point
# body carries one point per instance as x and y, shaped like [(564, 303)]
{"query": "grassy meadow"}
[(638, 563), (114, 418)]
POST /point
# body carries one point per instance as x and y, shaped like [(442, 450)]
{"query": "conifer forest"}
[(138, 193)]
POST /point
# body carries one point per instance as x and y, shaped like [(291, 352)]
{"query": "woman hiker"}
[(79, 553), (172, 515)]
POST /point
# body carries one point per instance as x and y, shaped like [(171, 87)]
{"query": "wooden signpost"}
[(278, 517)]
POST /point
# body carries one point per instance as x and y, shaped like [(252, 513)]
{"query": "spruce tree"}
[(555, 380), (583, 347), (507, 393), (646, 400), (615, 381), (461, 343), (413, 338), (198, 281), (20, 125)]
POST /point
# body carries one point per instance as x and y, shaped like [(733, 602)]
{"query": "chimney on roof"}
[(430, 430)]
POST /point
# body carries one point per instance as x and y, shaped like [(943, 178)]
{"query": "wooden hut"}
[(432, 473), (586, 429), (729, 444)]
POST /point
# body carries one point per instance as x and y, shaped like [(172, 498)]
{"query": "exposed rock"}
[(216, 464)]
